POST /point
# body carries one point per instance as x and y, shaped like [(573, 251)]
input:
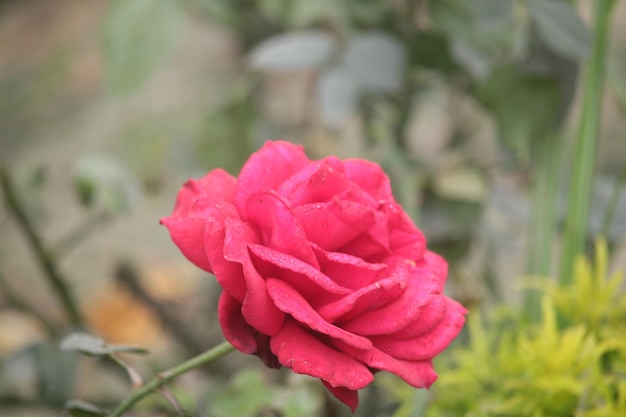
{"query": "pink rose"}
[(322, 271)]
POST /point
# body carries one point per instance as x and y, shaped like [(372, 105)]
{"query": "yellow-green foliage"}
[(570, 364)]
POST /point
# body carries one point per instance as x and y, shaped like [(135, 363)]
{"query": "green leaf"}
[(78, 408), (138, 37), (94, 346), (104, 182), (293, 51), (525, 106), (245, 395), (377, 61), (561, 28), (431, 50)]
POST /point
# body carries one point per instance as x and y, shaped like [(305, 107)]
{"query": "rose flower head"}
[(322, 271)]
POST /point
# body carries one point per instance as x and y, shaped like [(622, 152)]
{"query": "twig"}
[(164, 377), (89, 225), (169, 396), (44, 257), (18, 303), (129, 277), (133, 374)]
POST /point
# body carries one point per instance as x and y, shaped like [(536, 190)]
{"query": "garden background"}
[(481, 111)]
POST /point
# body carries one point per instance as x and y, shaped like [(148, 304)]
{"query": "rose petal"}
[(228, 274), (318, 182), (280, 230), (419, 374), (430, 315), (401, 311), (373, 244), (307, 280), (267, 169), (404, 238), (372, 296), (370, 177), (258, 309), (347, 396), (195, 210), (235, 329), (333, 224), (188, 234), (291, 302), (347, 270), (429, 344), (218, 183), (305, 354)]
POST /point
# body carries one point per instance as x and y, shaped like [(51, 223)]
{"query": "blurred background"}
[(107, 107)]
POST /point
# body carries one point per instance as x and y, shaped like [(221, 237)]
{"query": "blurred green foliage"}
[(570, 363)]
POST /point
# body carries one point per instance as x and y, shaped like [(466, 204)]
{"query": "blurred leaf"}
[(94, 346), (525, 106), (483, 34), (78, 408), (138, 37), (292, 51), (244, 396), (57, 373), (40, 371), (336, 96), (377, 60), (464, 183), (224, 137), (301, 396), (431, 50), (102, 181), (305, 13), (561, 28)]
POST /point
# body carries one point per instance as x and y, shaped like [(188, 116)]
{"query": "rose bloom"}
[(322, 271)]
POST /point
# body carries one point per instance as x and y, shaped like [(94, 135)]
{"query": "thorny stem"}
[(16, 302), (166, 376), (127, 274), (45, 258)]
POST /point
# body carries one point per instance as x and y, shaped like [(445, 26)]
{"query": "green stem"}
[(585, 147), (164, 377), (44, 256), (17, 302), (543, 221), (609, 214)]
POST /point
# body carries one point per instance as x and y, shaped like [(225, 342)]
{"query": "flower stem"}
[(44, 256), (166, 376), (585, 148)]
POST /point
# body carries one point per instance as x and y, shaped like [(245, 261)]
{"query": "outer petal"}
[(419, 374), (280, 229), (188, 234), (188, 229), (291, 302), (429, 344), (404, 238), (370, 177), (227, 273), (258, 308), (305, 354), (267, 169), (234, 327), (218, 183), (430, 316), (347, 396)]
